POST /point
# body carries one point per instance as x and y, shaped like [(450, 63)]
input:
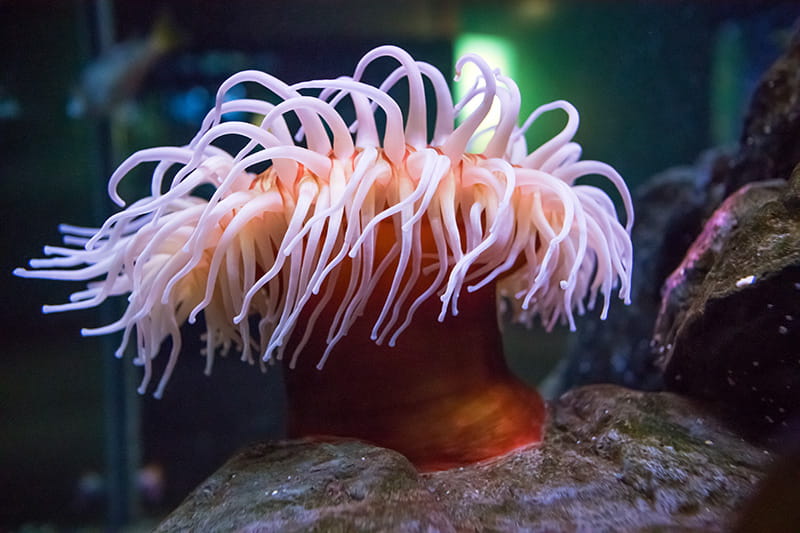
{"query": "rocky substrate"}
[(613, 459)]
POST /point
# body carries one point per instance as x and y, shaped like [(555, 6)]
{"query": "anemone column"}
[(443, 395)]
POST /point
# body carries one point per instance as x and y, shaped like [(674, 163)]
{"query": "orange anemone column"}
[(443, 396)]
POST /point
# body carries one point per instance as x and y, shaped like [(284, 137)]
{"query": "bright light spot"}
[(747, 280)]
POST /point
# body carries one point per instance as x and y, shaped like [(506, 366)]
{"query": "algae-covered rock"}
[(302, 485), (613, 459), (729, 327)]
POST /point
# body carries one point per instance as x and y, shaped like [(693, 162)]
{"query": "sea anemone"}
[(372, 231)]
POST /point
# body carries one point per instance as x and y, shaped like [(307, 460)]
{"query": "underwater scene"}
[(526, 265)]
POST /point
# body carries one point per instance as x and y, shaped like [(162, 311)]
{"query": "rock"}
[(671, 210), (776, 503), (768, 148), (612, 459), (729, 326), (303, 485), (726, 330)]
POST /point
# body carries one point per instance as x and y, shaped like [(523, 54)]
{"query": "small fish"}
[(91, 488), (151, 483), (113, 79), (9, 106)]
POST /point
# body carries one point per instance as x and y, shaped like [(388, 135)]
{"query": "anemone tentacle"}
[(302, 246)]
